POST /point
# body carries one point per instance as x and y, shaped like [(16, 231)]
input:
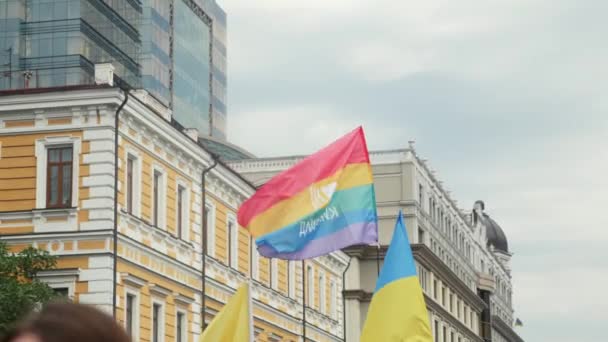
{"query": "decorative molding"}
[(428, 259), (159, 290), (133, 280), (182, 299), (446, 316)]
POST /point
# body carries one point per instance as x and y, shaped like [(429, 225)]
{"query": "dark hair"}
[(69, 322)]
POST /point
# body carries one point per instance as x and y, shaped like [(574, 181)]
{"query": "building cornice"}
[(505, 330), (366, 297), (427, 258), (451, 319)]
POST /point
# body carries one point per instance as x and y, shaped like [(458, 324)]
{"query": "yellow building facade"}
[(57, 192)]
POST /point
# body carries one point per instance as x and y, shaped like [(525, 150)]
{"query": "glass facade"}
[(191, 75), (175, 49)]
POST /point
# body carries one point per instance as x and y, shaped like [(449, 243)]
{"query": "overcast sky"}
[(507, 99)]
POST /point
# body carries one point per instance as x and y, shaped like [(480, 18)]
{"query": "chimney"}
[(104, 74)]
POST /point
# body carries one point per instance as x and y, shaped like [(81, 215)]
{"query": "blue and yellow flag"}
[(397, 311)]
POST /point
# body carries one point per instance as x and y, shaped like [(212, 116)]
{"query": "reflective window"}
[(191, 87)]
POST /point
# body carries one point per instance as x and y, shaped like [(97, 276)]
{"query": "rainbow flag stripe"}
[(324, 203)]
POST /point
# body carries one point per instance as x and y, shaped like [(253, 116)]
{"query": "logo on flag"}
[(320, 196)]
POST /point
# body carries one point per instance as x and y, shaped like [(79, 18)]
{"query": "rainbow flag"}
[(397, 311), (324, 203)]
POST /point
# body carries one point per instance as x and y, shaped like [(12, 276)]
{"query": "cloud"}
[(506, 99)]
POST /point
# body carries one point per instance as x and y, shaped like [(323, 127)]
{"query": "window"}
[(458, 308), (443, 296), (274, 273), (435, 289), (445, 334), (420, 235), (59, 177), (61, 292), (180, 327), (310, 286), (157, 323), (60, 152), (436, 331), (132, 183), (451, 303), (452, 337), (129, 307), (210, 220), (130, 166), (156, 198), (233, 243), (420, 195), (181, 207), (333, 299), (255, 259), (322, 305), (292, 278)]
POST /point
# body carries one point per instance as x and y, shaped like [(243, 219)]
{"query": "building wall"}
[(452, 258), (155, 264)]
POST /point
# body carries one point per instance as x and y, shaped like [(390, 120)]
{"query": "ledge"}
[(505, 330)]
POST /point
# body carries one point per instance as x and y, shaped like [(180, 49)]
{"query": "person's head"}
[(67, 322)]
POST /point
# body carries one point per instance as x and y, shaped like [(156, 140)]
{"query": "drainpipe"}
[(204, 241), (115, 232), (344, 298)]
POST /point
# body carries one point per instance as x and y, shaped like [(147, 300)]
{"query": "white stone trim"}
[(56, 279), (274, 273), (254, 260), (41, 166), (159, 291), (132, 280), (292, 278)]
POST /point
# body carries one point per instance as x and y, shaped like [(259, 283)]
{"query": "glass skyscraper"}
[(174, 49)]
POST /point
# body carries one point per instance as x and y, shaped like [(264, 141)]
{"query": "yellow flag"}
[(233, 323)]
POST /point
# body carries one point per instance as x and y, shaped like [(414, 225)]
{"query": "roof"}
[(225, 150), (495, 235)]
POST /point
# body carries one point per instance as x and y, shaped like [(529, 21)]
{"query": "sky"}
[(506, 99)]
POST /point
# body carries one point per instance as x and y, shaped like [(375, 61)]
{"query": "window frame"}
[(254, 260), (135, 192), (274, 274), (210, 227), (160, 321), (291, 290), (233, 242), (60, 177), (41, 154), (322, 293), (310, 280), (159, 191), (182, 218), (135, 313), (184, 327)]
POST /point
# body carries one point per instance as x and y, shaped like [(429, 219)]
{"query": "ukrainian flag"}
[(397, 311)]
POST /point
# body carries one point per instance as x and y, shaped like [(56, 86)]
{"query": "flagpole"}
[(378, 259), (303, 302), (251, 334)]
